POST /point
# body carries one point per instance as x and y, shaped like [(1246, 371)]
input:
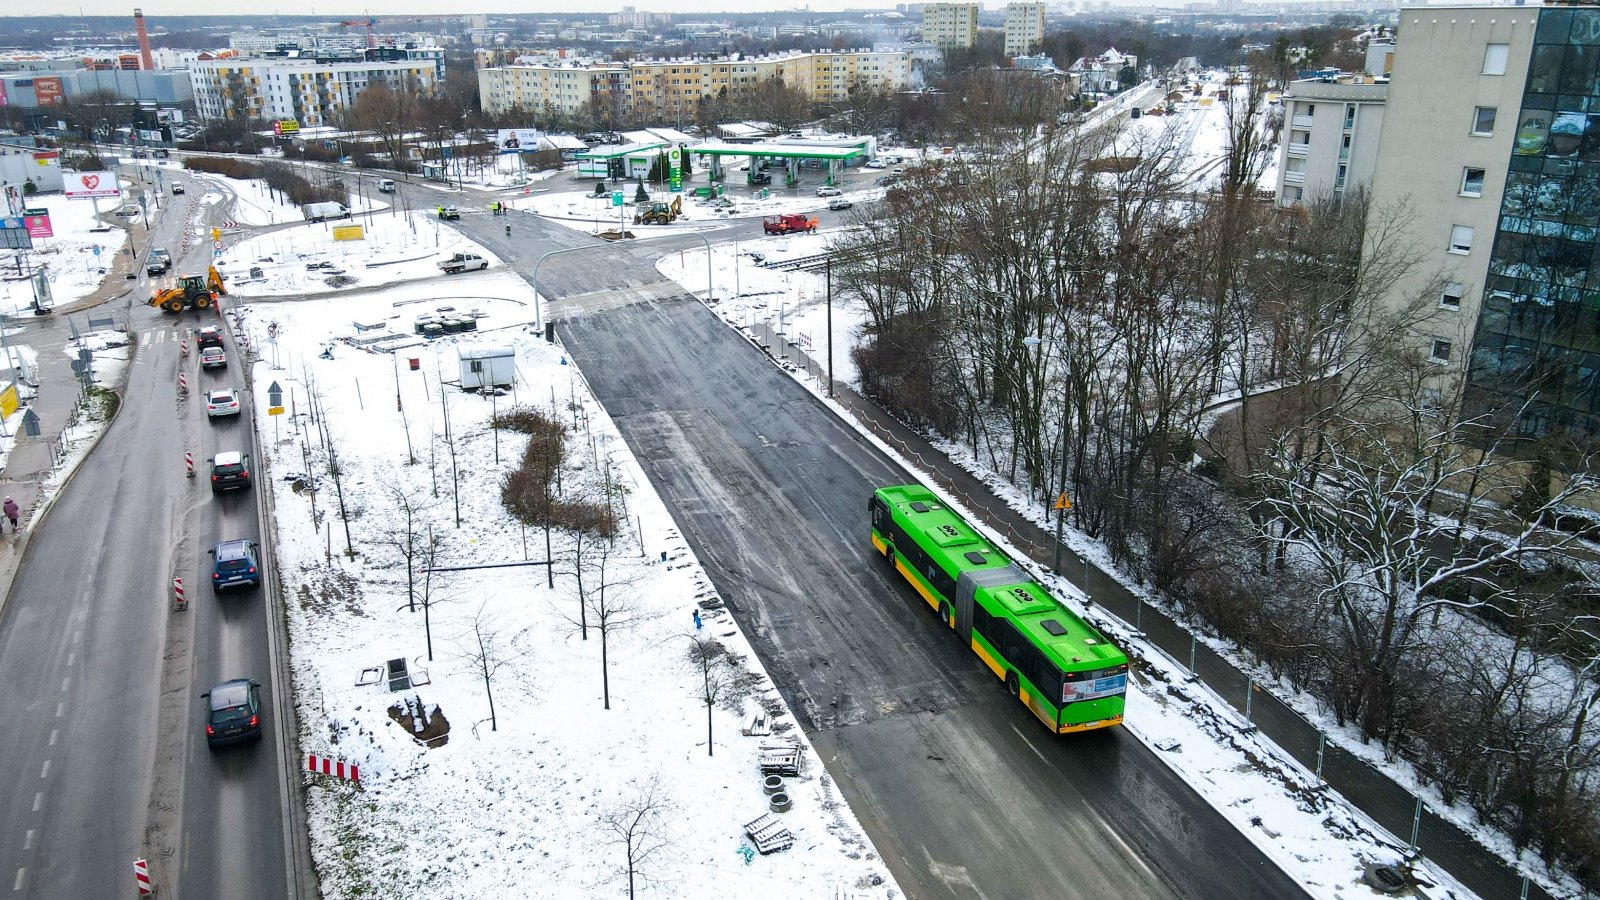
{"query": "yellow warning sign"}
[(1062, 502), (274, 410), (216, 234)]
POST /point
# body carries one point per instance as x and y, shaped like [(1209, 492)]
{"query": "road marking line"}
[(45, 772), (38, 801), (72, 657), (61, 709), (27, 840), (144, 338), (22, 876), (53, 734), (64, 682), (77, 637)]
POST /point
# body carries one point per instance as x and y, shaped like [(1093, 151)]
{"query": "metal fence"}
[(1422, 832)]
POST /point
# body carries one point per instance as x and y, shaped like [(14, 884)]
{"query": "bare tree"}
[(719, 679), (405, 533), (636, 825), (603, 598), (487, 648)]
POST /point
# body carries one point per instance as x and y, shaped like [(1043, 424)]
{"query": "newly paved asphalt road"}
[(965, 794)]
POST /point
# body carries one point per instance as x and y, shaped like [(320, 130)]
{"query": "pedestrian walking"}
[(697, 623), (12, 512)]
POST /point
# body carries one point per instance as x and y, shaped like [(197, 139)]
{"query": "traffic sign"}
[(1062, 502), (616, 198), (275, 397)]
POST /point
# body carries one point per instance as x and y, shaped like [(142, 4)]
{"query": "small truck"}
[(463, 262), (788, 224)]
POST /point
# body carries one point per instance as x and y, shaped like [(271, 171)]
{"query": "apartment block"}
[(1330, 139), (950, 26), (309, 91), (671, 89), (1024, 28), (1492, 144)]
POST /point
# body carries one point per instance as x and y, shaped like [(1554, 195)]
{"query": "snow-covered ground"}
[(512, 806), (395, 247), (76, 257), (582, 210)]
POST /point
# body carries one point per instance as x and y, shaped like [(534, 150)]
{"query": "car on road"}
[(177, 187), (158, 262), (235, 564), (210, 336), (887, 180), (449, 212), (761, 178), (877, 164), (839, 203), (224, 402), (213, 358), (385, 185), (826, 191), (230, 471), (233, 713)]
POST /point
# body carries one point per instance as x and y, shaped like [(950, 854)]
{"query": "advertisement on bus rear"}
[(1093, 689)]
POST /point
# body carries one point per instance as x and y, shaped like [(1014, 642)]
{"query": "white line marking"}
[(1026, 740), (54, 733), (27, 840), (22, 877), (38, 801), (64, 682), (77, 637), (61, 709), (72, 658), (45, 772), (144, 338)]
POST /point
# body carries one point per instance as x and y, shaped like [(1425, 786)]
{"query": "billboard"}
[(37, 221), (348, 233), (84, 185), (47, 90), (517, 140), (285, 126)]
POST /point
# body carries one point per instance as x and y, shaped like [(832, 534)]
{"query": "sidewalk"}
[(31, 461), (1371, 791)]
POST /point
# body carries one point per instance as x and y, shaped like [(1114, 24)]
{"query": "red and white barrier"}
[(178, 600), (338, 768), (141, 876), (183, 347), (188, 462), (183, 383)]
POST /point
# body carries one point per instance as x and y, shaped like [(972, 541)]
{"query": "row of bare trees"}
[(1237, 400)]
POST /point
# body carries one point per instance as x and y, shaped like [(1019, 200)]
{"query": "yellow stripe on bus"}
[(879, 545), (988, 660), (1107, 722), (916, 583)]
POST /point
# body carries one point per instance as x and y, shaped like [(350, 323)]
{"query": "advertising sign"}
[(285, 126), (1073, 691), (47, 90), (675, 177), (84, 185), (517, 140), (37, 221), (347, 233)]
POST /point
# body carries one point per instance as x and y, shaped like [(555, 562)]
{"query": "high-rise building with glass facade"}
[(1491, 140)]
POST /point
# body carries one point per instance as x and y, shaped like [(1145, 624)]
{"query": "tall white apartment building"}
[(309, 91), (1329, 140), (950, 26), (1024, 28)]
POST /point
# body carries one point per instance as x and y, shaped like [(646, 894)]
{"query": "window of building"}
[(1349, 115), (1494, 59), (1450, 298), (1338, 180), (1471, 182), (1483, 121), (1461, 239), (1441, 351)]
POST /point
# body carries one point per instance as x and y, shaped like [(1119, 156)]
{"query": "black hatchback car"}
[(233, 713)]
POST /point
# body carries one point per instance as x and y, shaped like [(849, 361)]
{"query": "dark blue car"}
[(234, 564), (233, 713)]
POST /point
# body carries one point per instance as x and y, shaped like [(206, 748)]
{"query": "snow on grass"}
[(581, 209), (395, 247), (513, 807), (74, 268)]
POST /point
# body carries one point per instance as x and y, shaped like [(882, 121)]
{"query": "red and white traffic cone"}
[(188, 462), (141, 877), (184, 347), (183, 383), (178, 601)]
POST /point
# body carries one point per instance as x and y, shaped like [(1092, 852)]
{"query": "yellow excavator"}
[(191, 292)]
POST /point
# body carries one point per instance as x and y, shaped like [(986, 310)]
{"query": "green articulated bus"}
[(1057, 664)]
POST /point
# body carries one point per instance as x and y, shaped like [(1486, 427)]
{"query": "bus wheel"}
[(1013, 685), (944, 613), (888, 554)]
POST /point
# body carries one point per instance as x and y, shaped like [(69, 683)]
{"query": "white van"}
[(386, 185)]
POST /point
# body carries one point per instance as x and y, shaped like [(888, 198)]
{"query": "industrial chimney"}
[(144, 41)]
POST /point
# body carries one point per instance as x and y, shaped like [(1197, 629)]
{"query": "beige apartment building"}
[(672, 88), (950, 26), (1024, 28), (1330, 139)]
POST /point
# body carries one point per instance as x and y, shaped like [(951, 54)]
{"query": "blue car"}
[(233, 713), (234, 565)]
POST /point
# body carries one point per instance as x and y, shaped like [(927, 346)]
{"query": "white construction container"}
[(487, 366)]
